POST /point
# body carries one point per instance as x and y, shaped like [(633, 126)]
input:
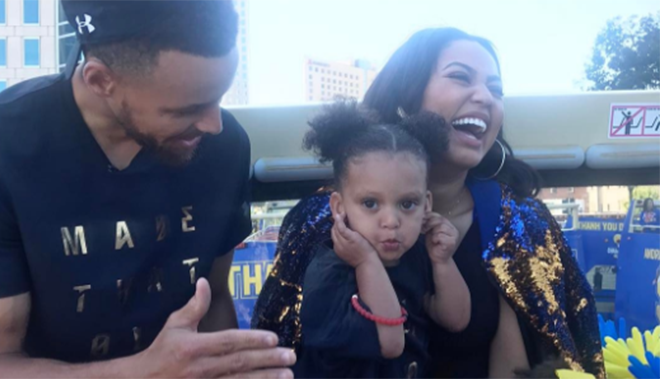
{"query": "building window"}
[(310, 76), (3, 85), (30, 11), (553, 190), (61, 16), (3, 12), (31, 52), (322, 85), (571, 189), (66, 45), (3, 52)]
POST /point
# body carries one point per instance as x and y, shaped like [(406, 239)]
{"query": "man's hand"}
[(441, 238), (180, 351), (349, 245)]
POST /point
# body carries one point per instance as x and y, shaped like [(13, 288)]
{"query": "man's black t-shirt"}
[(107, 255)]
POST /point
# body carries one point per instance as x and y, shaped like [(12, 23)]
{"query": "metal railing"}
[(573, 213)]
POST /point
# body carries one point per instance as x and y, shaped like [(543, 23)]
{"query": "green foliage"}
[(626, 55), (643, 192)]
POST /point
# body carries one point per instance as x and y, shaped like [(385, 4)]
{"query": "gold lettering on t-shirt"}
[(124, 289), (74, 246), (190, 263), (161, 227), (80, 307), (186, 219), (123, 236), (155, 277), (100, 345), (137, 333)]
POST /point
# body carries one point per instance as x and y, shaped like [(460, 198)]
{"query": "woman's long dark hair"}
[(403, 81), (648, 201)]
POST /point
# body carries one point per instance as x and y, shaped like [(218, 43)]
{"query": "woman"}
[(530, 300), (650, 216)]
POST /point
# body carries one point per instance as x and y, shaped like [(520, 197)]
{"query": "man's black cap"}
[(107, 21), (104, 21)]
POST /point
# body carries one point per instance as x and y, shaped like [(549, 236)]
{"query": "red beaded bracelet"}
[(377, 319)]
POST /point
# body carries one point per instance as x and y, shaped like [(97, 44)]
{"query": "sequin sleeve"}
[(532, 263), (580, 307), (278, 306)]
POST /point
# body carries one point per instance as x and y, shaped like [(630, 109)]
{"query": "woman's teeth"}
[(471, 121)]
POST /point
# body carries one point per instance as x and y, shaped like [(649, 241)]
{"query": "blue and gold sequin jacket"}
[(524, 253)]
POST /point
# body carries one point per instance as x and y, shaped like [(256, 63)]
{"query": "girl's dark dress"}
[(337, 342)]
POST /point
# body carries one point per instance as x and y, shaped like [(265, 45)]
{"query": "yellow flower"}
[(570, 374)]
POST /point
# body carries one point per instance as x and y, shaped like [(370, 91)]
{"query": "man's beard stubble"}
[(168, 155)]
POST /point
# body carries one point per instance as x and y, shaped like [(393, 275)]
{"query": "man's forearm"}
[(21, 366)]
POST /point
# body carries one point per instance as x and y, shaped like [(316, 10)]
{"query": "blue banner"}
[(252, 264), (637, 288), (595, 244)]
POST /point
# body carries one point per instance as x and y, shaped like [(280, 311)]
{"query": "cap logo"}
[(87, 23)]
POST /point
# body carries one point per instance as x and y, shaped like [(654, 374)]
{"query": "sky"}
[(543, 45)]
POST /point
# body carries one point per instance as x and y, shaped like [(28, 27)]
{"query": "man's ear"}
[(428, 207), (99, 78), (337, 205)]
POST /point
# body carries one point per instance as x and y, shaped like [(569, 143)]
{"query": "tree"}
[(626, 55), (644, 192)]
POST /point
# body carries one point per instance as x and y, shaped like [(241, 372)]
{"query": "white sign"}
[(634, 121)]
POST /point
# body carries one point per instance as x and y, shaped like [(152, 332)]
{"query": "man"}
[(122, 183), (598, 281)]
